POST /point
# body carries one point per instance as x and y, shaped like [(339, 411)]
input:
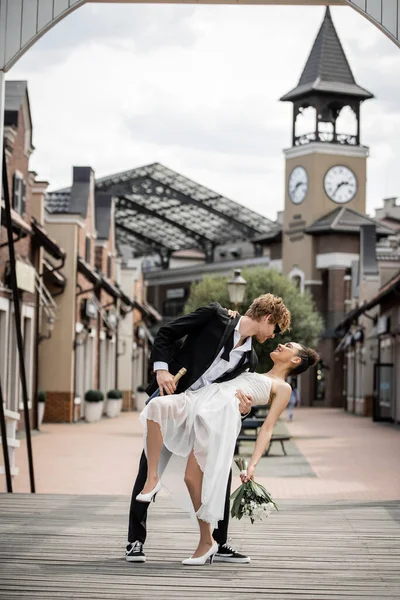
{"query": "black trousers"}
[(138, 510)]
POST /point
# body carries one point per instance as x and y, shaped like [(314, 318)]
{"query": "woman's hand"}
[(245, 476), (245, 402), (231, 313)]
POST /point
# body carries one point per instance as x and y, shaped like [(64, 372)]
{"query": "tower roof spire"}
[(327, 69)]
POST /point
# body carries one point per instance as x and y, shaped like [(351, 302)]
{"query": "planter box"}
[(113, 407), (93, 411), (140, 398), (40, 407)]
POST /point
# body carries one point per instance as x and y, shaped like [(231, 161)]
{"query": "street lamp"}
[(236, 288)]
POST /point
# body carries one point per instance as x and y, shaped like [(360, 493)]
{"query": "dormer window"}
[(19, 193)]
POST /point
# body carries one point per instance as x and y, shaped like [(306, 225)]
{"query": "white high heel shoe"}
[(201, 560), (151, 495)]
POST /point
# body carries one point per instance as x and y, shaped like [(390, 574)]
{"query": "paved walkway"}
[(335, 456)]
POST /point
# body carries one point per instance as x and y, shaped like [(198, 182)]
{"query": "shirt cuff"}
[(160, 366)]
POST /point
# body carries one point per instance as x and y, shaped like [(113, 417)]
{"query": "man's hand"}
[(165, 382), (248, 474), (245, 402)]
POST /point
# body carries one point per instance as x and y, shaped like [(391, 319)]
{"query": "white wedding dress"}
[(208, 422)]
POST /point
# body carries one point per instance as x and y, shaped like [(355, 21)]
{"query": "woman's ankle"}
[(207, 541)]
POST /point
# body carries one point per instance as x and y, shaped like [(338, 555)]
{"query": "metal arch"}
[(198, 237), (383, 14), (23, 22)]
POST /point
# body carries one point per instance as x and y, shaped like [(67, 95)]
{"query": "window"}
[(297, 281), (87, 249), (297, 277), (174, 307), (109, 265), (19, 193)]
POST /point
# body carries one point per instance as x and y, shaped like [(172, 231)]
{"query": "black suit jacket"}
[(194, 341)]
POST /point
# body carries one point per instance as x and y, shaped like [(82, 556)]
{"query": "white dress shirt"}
[(220, 366)]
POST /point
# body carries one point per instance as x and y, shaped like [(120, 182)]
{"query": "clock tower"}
[(326, 166)]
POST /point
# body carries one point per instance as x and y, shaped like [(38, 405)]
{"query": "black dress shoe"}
[(134, 552), (229, 555)]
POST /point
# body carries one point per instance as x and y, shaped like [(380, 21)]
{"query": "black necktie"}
[(228, 347)]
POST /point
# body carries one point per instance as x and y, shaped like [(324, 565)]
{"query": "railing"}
[(327, 138), (12, 419)]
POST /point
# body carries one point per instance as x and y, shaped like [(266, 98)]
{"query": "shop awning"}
[(154, 314), (109, 287), (46, 241), (53, 276), (125, 299), (18, 224), (87, 271), (389, 287)]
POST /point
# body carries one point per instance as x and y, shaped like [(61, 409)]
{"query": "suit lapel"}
[(229, 329)]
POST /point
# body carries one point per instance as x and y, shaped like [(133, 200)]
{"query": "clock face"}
[(340, 184), (298, 185)]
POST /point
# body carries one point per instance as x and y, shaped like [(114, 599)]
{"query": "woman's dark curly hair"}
[(309, 358)]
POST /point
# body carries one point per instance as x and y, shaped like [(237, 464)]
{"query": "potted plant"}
[(141, 397), (93, 405), (41, 399), (114, 403)]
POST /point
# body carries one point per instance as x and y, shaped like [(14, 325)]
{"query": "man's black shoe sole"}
[(228, 559), (137, 559)]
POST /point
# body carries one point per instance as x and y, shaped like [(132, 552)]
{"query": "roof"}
[(345, 220), (271, 236), (390, 221), (159, 210), (385, 290), (327, 69), (389, 287), (72, 200), (103, 205)]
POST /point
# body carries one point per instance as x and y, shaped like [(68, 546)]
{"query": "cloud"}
[(197, 88), (114, 27)]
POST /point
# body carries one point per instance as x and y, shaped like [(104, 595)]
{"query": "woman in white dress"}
[(203, 426)]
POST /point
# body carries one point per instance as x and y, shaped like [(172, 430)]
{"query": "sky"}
[(197, 88)]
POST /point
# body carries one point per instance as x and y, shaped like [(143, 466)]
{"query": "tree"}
[(306, 325)]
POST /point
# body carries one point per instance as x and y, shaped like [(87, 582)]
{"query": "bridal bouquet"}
[(251, 499)]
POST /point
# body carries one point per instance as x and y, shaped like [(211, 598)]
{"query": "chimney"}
[(388, 204), (368, 262), (82, 174)]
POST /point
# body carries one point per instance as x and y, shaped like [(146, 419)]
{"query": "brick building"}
[(33, 249)]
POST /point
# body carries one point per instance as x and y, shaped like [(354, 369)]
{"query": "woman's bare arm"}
[(278, 405)]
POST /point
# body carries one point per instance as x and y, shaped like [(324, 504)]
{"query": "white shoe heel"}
[(151, 495), (201, 560)]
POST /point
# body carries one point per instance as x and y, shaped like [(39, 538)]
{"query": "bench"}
[(243, 437)]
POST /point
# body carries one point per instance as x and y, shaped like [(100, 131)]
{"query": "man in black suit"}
[(213, 348)]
